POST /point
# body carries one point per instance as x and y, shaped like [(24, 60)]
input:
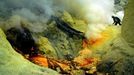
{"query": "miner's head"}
[(112, 16)]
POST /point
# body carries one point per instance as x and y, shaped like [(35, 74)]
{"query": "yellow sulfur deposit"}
[(46, 47)]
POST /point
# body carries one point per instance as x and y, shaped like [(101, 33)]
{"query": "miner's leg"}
[(119, 23), (113, 22), (116, 23)]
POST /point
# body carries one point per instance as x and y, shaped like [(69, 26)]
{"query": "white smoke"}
[(96, 12), (30, 12), (119, 14), (98, 15)]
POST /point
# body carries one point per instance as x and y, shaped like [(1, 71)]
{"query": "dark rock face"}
[(116, 1), (22, 39), (62, 42), (120, 5), (66, 28)]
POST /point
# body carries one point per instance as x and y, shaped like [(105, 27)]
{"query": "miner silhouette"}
[(116, 20)]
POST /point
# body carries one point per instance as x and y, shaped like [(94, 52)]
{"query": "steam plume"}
[(98, 15), (36, 13)]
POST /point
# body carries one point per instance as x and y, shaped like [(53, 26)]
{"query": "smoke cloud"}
[(35, 13), (29, 12), (98, 15)]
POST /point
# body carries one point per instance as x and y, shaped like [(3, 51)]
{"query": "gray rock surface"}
[(120, 5), (128, 24)]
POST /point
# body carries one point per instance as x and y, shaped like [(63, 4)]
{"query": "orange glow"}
[(84, 58), (87, 61), (100, 41), (106, 36), (64, 66), (40, 60), (45, 62), (85, 43), (85, 51)]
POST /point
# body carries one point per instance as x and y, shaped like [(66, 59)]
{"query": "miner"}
[(116, 20)]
